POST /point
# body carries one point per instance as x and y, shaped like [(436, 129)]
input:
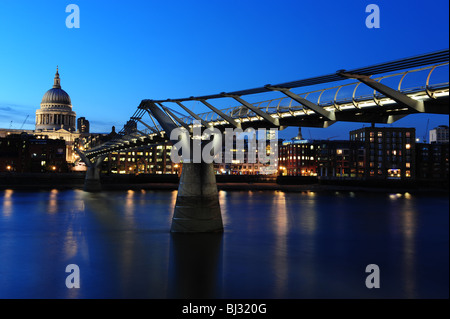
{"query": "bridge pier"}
[(92, 180), (197, 208)]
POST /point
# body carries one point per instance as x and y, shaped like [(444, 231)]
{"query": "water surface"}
[(275, 245)]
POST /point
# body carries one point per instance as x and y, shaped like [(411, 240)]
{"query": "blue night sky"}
[(124, 52)]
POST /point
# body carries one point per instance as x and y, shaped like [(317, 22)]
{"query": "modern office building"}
[(432, 161), (245, 159), (154, 159), (323, 158), (340, 159), (389, 151), (439, 135), (82, 125)]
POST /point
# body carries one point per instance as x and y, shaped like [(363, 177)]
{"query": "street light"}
[(8, 168)]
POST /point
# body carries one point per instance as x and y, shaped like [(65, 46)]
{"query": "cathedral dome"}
[(56, 109), (56, 95)]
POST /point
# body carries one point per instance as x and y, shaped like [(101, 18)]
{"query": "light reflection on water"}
[(7, 203), (275, 245)]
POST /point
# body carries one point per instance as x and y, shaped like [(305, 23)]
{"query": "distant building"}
[(242, 163), (82, 125), (432, 161), (341, 159), (297, 158), (323, 158), (29, 153), (153, 159), (389, 151), (439, 135)]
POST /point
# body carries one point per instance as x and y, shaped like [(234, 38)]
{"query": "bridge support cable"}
[(267, 117), (175, 119), (153, 121), (227, 118), (307, 104), (195, 116), (148, 126), (402, 99), (163, 119)]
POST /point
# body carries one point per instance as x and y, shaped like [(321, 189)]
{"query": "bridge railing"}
[(329, 98), (278, 105)]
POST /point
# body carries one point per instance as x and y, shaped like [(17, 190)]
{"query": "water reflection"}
[(53, 201), (129, 206), (120, 235), (408, 228), (223, 206), (281, 250), (7, 203), (196, 266), (308, 227), (308, 216), (283, 245)]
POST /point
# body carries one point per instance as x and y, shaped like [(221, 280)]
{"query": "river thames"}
[(276, 245)]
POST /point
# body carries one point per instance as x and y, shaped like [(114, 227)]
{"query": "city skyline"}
[(118, 57)]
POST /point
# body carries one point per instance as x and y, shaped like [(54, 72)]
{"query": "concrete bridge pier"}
[(197, 207), (92, 180)]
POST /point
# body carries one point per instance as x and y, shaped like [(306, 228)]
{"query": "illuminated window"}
[(408, 146), (339, 152), (394, 172)]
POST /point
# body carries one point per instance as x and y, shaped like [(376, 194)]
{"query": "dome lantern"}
[(57, 80)]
